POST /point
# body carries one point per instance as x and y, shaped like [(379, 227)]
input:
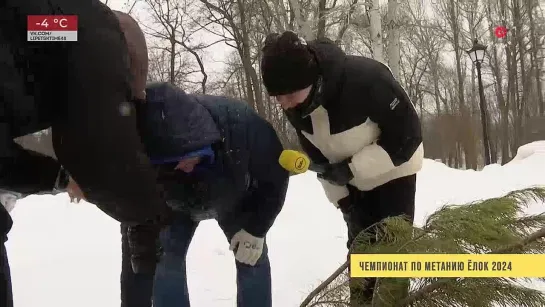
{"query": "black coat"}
[(245, 177), (79, 89)]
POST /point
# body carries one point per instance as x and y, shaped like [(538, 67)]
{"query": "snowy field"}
[(65, 255)]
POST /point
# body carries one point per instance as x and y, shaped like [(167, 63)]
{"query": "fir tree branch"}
[(345, 265), (425, 232), (454, 229), (520, 245), (324, 284), (426, 290), (337, 290), (331, 303), (335, 274)]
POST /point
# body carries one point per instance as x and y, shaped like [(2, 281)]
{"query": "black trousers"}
[(136, 289), (6, 296), (394, 198)]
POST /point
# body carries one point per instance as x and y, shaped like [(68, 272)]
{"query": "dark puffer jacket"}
[(245, 177)]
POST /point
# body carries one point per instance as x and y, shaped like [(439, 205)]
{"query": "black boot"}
[(144, 247)]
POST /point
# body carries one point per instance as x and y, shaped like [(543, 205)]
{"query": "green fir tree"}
[(496, 226)]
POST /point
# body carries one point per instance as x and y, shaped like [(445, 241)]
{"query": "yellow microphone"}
[(294, 161)]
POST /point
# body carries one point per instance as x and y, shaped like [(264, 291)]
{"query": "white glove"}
[(8, 200), (249, 247)]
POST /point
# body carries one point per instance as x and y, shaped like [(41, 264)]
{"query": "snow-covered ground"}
[(65, 255)]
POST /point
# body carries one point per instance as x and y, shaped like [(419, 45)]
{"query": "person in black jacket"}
[(216, 159), (355, 120), (82, 90)]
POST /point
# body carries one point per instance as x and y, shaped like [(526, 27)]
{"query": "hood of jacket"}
[(331, 62), (173, 123)]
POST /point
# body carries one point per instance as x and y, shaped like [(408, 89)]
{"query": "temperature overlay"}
[(52, 28)]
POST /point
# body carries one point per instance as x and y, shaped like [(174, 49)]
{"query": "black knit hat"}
[(287, 64)]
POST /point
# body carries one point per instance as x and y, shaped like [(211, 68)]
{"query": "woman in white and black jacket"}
[(353, 117)]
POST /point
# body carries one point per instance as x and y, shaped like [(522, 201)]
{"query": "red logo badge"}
[(501, 31)]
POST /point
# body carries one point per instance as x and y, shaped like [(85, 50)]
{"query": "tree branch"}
[(424, 291), (324, 284)]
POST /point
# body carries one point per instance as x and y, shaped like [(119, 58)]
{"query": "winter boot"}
[(144, 247)]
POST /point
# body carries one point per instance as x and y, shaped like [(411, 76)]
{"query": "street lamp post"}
[(476, 53)]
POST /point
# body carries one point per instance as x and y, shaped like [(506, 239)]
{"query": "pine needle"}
[(496, 225)]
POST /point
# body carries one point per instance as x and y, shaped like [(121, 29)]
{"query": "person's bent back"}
[(82, 90), (247, 147), (217, 159)]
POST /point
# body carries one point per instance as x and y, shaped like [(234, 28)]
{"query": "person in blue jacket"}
[(216, 159)]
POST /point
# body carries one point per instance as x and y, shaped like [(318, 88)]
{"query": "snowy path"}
[(65, 255)]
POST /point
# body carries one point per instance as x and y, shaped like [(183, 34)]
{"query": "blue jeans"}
[(170, 287)]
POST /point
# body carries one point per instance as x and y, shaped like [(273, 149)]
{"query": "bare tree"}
[(233, 19), (449, 10), (169, 28), (425, 52)]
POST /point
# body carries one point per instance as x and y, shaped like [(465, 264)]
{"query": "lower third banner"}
[(447, 265)]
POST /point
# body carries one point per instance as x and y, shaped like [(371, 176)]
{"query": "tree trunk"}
[(521, 101), (321, 33), (252, 81), (468, 136), (304, 27), (346, 22), (531, 5), (511, 76), (500, 98), (435, 77), (393, 38), (375, 30), (172, 71)]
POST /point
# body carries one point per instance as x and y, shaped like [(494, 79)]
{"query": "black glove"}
[(144, 247), (337, 173)]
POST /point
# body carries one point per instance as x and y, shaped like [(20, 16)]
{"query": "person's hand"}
[(248, 248), (8, 200), (337, 173), (187, 165), (74, 191)]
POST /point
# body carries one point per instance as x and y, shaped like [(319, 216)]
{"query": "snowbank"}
[(65, 255), (536, 148), (440, 185)]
